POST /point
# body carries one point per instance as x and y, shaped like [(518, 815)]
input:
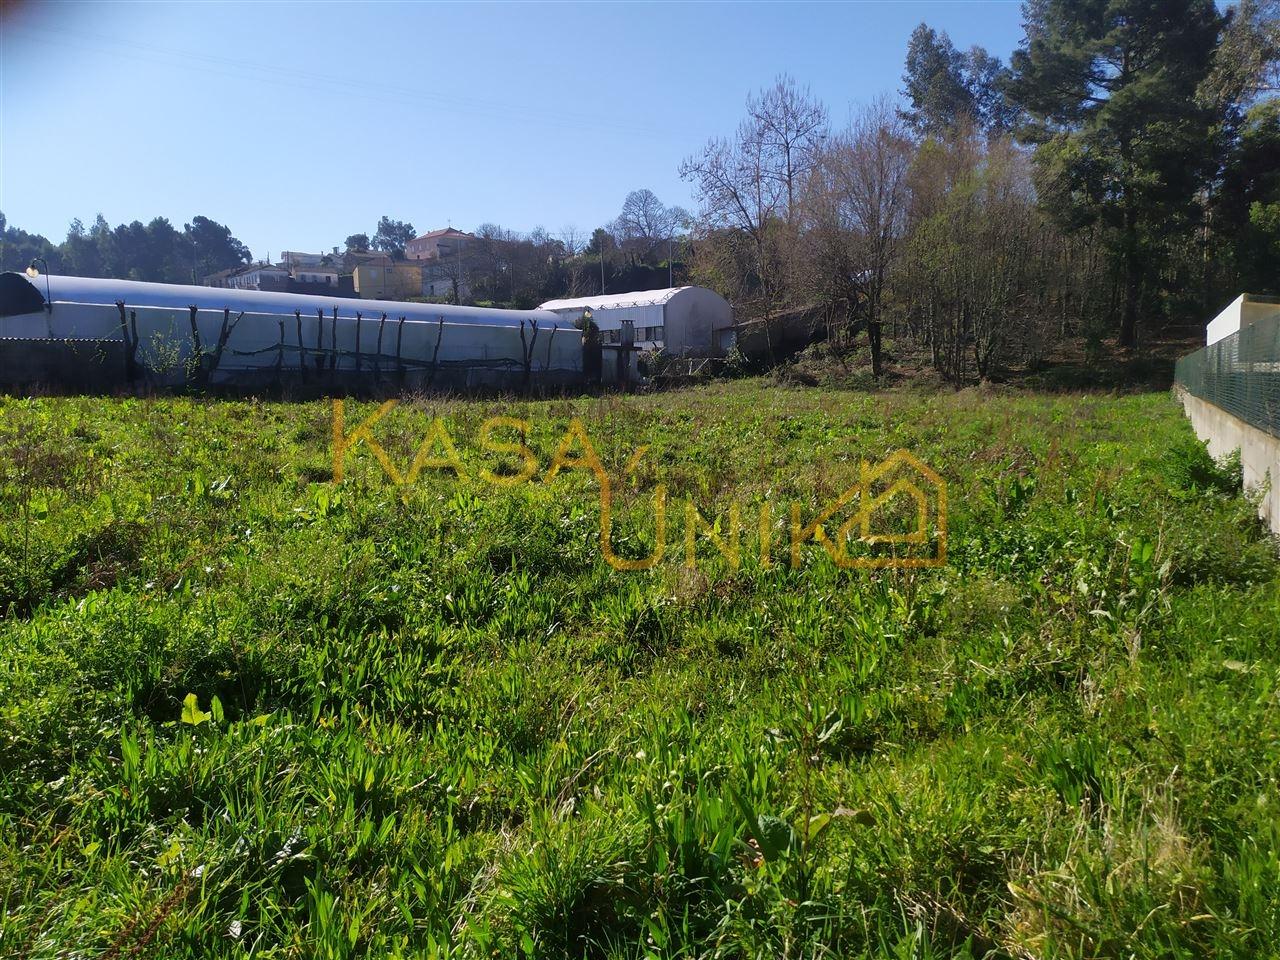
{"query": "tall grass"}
[(244, 711)]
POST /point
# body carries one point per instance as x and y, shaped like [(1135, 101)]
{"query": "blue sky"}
[(297, 124)]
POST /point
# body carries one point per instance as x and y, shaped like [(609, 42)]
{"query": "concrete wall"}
[(1259, 451)]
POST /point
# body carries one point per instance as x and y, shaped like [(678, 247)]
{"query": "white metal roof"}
[(139, 294), (616, 301)]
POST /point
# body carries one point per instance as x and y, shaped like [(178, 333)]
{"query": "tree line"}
[(1119, 175), (155, 251), (643, 247)]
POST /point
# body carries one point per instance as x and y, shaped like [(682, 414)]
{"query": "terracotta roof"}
[(447, 231)]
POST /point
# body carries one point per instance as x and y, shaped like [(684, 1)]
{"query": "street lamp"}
[(32, 272)]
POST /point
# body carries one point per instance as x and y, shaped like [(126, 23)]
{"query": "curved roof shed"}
[(264, 331), (685, 321)]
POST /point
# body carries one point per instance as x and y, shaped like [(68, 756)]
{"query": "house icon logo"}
[(898, 520)]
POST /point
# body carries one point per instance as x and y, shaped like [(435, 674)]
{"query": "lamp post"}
[(32, 272)]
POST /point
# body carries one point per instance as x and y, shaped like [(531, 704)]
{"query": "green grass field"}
[(246, 712)]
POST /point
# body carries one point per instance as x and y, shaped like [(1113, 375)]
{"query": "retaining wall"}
[(1259, 451)]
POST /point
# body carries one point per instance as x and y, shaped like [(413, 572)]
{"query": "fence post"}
[(130, 363), (399, 351), (302, 349), (359, 324), (377, 357), (319, 339), (280, 354), (435, 355), (333, 341)]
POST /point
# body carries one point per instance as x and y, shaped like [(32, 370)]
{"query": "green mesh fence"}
[(1240, 374)]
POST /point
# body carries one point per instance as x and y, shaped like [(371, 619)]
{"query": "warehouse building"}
[(682, 321)]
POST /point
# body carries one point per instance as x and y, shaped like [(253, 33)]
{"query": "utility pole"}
[(602, 268)]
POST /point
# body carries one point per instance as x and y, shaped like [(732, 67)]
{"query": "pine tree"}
[(1109, 87), (934, 83)]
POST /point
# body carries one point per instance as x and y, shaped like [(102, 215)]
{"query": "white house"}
[(260, 276), (683, 321), (317, 274)]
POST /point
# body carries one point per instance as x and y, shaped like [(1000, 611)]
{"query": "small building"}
[(320, 274), (1244, 311), (682, 321), (438, 244), (259, 276), (449, 277), (295, 259), (387, 279), (220, 279)]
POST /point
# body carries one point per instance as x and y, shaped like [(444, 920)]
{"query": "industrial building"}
[(682, 321)]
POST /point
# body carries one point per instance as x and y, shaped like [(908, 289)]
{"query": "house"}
[(293, 259), (683, 321), (348, 260), (448, 277), (221, 278), (259, 276), (319, 274), (386, 279), (438, 244)]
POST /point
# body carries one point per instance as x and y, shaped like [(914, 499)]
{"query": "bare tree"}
[(746, 187), (574, 242), (857, 204), (790, 125), (647, 224)]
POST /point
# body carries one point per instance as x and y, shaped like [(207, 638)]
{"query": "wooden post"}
[(333, 341), (319, 339), (435, 356), (195, 332), (546, 364), (133, 345), (197, 349), (359, 318), (399, 351), (280, 354), (302, 349), (377, 358), (129, 372), (526, 358), (228, 328)]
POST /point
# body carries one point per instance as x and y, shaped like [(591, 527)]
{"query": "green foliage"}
[(243, 711), (947, 88), (1111, 91), (154, 251)]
